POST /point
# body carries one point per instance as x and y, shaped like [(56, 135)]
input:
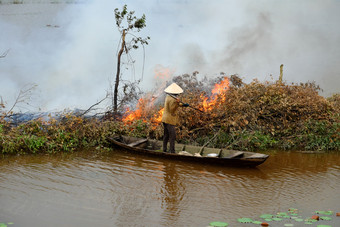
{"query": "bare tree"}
[(126, 23)]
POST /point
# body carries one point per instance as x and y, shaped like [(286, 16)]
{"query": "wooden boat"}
[(189, 152)]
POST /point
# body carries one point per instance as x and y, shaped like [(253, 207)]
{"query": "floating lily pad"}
[(288, 225), (325, 218), (244, 220), (324, 226), (257, 222), (3, 225), (324, 212), (299, 219), (311, 220), (308, 223), (218, 224), (277, 219), (282, 215), (268, 219), (266, 216)]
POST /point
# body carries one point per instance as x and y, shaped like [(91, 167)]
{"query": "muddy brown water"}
[(120, 189)]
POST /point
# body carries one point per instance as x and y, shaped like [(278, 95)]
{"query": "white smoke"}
[(69, 50)]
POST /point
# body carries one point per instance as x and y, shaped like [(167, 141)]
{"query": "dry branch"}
[(4, 54)]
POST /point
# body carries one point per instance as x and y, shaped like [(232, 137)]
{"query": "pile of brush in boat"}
[(189, 152)]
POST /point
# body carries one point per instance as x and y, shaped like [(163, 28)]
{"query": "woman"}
[(170, 118)]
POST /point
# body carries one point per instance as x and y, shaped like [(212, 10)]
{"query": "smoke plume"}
[(69, 50)]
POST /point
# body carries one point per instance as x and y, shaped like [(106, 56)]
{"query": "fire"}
[(217, 92), (157, 118), (135, 115), (221, 87), (146, 109), (146, 105)]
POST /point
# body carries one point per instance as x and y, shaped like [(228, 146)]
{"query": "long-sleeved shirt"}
[(170, 108)]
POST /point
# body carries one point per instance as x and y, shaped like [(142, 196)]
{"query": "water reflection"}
[(172, 192), (117, 189)]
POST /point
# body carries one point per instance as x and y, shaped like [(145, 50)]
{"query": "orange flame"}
[(145, 105), (134, 115), (221, 87), (142, 112), (218, 91), (157, 118)]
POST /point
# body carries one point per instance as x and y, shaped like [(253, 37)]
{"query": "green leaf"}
[(324, 226), (266, 216), (311, 220), (324, 212), (218, 224), (325, 218), (285, 216), (244, 220), (277, 219), (288, 225), (257, 222)]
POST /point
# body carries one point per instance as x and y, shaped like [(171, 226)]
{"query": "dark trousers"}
[(169, 136)]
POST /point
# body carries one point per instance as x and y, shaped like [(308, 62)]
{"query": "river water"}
[(115, 188)]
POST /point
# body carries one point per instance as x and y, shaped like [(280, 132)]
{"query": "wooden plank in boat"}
[(138, 142), (208, 150), (179, 147), (237, 154), (257, 156), (192, 149)]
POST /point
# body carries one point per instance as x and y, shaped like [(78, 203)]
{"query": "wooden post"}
[(281, 73)]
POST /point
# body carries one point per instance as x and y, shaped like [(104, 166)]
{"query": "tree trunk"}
[(115, 94)]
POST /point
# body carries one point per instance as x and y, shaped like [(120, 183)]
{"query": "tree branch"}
[(4, 54), (23, 96), (97, 103)]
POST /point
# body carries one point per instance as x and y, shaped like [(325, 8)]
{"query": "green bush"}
[(320, 135)]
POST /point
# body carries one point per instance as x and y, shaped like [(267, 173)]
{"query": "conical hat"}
[(174, 89)]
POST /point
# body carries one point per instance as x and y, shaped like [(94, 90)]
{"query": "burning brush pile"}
[(225, 112), (244, 116)]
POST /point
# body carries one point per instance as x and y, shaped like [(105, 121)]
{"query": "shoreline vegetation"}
[(254, 117)]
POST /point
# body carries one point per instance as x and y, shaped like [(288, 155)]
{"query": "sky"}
[(70, 50)]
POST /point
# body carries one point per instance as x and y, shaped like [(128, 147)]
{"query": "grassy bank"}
[(255, 116)]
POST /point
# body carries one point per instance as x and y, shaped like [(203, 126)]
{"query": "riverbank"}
[(256, 116)]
